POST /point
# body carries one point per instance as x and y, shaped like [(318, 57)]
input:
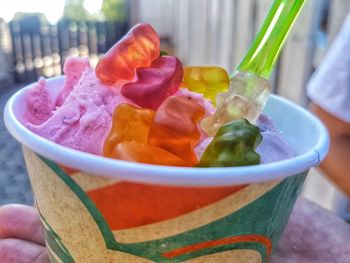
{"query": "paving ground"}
[(14, 183)]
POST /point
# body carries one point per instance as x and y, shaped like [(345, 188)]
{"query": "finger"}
[(21, 251), (20, 222)]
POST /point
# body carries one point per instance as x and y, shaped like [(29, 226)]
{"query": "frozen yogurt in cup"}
[(105, 210)]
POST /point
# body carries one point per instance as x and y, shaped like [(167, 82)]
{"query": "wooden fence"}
[(40, 49), (5, 55), (216, 32), (219, 32)]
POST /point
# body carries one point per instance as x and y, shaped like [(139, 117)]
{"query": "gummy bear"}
[(175, 128), (128, 139), (139, 152), (206, 80), (129, 123), (233, 145), (155, 83), (244, 99), (138, 48)]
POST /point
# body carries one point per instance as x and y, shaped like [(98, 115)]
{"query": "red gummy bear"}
[(175, 128), (154, 84), (138, 48)]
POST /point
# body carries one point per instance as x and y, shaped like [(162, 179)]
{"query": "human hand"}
[(21, 235)]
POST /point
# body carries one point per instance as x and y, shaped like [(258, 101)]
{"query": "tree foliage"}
[(114, 10), (74, 10)]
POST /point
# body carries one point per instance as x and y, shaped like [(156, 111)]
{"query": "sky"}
[(52, 9)]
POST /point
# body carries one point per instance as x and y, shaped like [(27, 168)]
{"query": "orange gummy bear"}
[(175, 129), (129, 123), (128, 138), (143, 153)]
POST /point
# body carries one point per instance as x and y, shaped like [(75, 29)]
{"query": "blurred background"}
[(36, 36)]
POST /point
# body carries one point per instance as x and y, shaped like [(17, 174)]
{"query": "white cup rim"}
[(167, 175)]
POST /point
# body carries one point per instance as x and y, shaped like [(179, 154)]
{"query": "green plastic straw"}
[(266, 47)]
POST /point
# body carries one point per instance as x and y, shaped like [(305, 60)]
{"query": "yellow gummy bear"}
[(206, 80)]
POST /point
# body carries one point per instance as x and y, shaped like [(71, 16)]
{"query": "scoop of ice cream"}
[(83, 121), (79, 116)]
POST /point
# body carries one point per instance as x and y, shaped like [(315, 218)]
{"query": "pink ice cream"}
[(38, 104), (80, 115), (73, 69)]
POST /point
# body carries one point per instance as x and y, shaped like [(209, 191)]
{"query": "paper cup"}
[(104, 210)]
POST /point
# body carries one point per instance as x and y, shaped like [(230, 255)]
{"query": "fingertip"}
[(20, 221), (21, 251)]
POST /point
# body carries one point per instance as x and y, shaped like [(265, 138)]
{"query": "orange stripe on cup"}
[(220, 242), (127, 205)]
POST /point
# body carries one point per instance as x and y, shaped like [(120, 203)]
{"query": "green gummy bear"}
[(163, 53), (233, 145)]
